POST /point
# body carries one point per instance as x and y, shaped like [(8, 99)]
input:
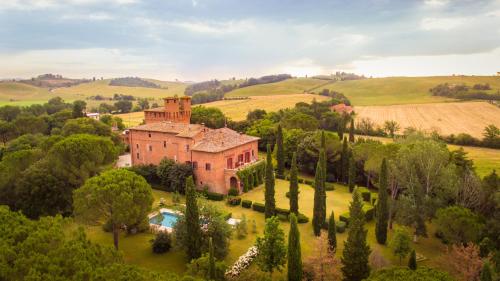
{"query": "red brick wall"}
[(149, 148)]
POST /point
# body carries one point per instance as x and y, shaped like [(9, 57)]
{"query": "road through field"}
[(446, 118)]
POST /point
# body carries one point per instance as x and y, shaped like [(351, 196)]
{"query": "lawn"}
[(137, 250)]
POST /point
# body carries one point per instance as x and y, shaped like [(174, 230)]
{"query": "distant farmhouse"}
[(216, 155), (342, 108)]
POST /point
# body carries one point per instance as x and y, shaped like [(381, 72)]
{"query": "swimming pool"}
[(169, 219)]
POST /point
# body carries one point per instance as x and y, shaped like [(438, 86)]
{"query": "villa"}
[(216, 155)]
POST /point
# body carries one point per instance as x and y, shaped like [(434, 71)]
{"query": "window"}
[(165, 144), (150, 148), (137, 155), (229, 163), (149, 134), (195, 165), (240, 158), (247, 157), (208, 167), (187, 147), (137, 145)]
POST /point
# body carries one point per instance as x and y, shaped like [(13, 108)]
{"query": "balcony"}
[(242, 166)]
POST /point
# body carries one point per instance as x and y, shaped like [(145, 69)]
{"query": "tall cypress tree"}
[(382, 207), (412, 262), (356, 250), (352, 173), (193, 229), (319, 200), (294, 251), (344, 161), (323, 160), (280, 154), (332, 234), (294, 186), (351, 131), (269, 185), (211, 261)]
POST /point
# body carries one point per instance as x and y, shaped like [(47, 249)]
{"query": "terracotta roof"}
[(222, 139), (342, 108), (180, 129)]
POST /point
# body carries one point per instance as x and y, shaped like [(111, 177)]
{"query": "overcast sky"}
[(205, 39)]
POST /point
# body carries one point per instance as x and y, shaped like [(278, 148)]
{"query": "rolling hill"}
[(286, 87)]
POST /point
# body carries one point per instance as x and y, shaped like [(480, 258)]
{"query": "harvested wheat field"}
[(238, 109), (446, 118)]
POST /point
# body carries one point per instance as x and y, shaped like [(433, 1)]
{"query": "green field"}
[(137, 250), (286, 87), (15, 93), (403, 90)]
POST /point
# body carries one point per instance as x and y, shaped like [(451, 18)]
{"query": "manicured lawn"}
[(137, 250)]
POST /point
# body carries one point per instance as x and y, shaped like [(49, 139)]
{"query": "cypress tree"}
[(294, 186), (382, 207), (412, 262), (351, 131), (352, 174), (486, 272), (319, 201), (280, 154), (340, 131), (211, 260), (323, 160), (269, 185), (332, 234), (294, 251), (344, 161), (356, 250), (193, 230)]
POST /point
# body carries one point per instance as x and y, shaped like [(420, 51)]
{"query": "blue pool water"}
[(169, 219)]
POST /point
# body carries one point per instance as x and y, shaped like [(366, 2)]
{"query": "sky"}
[(195, 40)]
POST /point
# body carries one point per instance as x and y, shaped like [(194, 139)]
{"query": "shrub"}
[(340, 226), (282, 217), (300, 180), (241, 228), (366, 194), (107, 226), (369, 212), (309, 182), (162, 243), (287, 194), (214, 196), (234, 201), (329, 186), (282, 211), (228, 216), (246, 204), (345, 218), (259, 207), (302, 218), (233, 192)]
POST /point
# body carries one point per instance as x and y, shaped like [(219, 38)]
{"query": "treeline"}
[(214, 90), (53, 81), (265, 80), (337, 96), (464, 92), (133, 82), (340, 76)]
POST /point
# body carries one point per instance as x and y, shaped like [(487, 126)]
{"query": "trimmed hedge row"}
[(259, 207), (214, 196), (234, 201), (340, 226), (246, 204)]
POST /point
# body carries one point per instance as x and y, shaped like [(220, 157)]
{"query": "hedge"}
[(369, 212), (259, 207), (301, 218), (282, 217), (309, 182), (246, 204), (340, 226), (345, 218), (282, 211), (214, 196), (233, 192), (329, 186), (365, 193), (234, 201)]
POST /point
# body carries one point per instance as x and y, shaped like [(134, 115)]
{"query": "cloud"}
[(441, 23), (47, 4), (436, 3), (100, 16)]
